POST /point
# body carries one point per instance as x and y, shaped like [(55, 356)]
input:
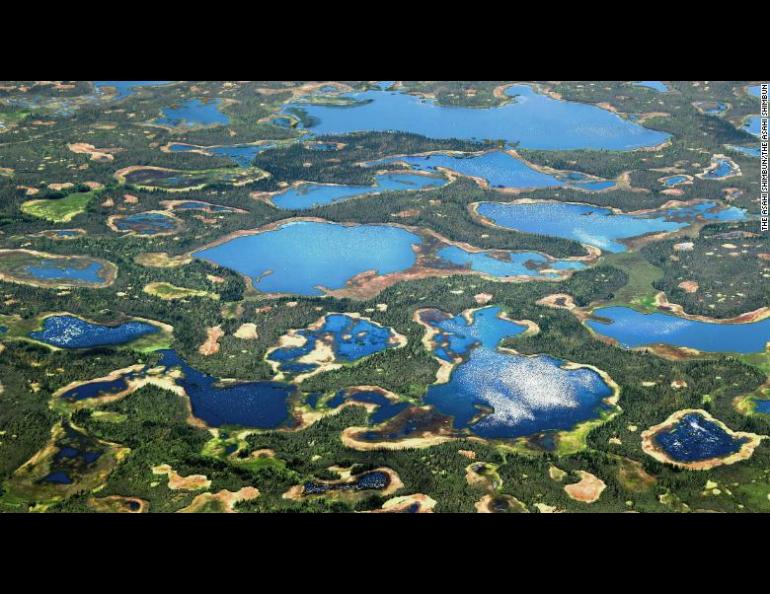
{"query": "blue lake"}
[(385, 408), (310, 195), (124, 88), (497, 394), (351, 339), (262, 405), (97, 389), (633, 329), (655, 85), (752, 125), (675, 180), (723, 169), (145, 223), (749, 151), (74, 333), (694, 438), (193, 112), (595, 225), (533, 120), (58, 477), (762, 406), (240, 154), (367, 480), (301, 256), (58, 270), (754, 90), (516, 263)]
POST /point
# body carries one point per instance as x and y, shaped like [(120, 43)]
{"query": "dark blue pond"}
[(535, 121), (694, 438), (365, 481), (74, 333), (124, 88), (386, 409), (58, 477), (300, 257), (632, 328), (350, 338), (762, 406), (98, 389), (596, 225), (59, 270), (262, 405), (311, 195), (193, 112), (145, 223)]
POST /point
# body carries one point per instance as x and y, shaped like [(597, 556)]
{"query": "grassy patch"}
[(169, 292), (61, 210)]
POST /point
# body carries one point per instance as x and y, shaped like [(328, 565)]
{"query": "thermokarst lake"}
[(295, 257), (500, 169), (350, 339), (310, 195), (193, 112), (632, 328), (533, 120), (71, 332), (499, 394), (597, 226)]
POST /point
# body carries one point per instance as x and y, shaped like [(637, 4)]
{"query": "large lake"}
[(533, 120), (595, 225), (302, 256), (75, 333), (497, 394), (632, 328)]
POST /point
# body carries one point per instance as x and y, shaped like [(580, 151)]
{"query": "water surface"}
[(632, 328), (300, 257), (595, 225), (75, 333), (694, 438), (531, 119), (310, 195), (193, 112)]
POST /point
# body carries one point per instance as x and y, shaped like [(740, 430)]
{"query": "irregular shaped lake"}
[(193, 112), (124, 88), (59, 270), (514, 263), (497, 394), (533, 120), (241, 154), (499, 168), (300, 257), (310, 195), (350, 339), (633, 329), (655, 85), (71, 332), (262, 405), (145, 223), (595, 225)]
